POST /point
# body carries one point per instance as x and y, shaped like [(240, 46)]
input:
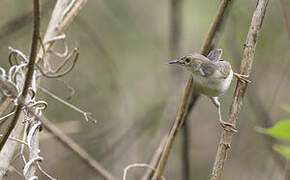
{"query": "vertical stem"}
[(33, 153), (246, 65), (29, 73), (188, 94)]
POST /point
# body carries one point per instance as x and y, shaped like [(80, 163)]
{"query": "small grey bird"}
[(212, 77)]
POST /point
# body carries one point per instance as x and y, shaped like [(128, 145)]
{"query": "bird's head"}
[(190, 62)]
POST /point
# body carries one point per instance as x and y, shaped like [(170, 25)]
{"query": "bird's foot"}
[(228, 126), (242, 78)]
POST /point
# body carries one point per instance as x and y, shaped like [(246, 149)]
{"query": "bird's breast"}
[(213, 85)]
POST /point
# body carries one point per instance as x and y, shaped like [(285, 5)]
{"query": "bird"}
[(212, 77)]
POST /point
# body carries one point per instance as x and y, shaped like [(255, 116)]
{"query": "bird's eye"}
[(187, 60)]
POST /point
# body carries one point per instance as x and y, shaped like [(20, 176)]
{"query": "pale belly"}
[(211, 86)]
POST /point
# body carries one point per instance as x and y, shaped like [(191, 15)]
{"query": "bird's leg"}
[(242, 78), (225, 125)]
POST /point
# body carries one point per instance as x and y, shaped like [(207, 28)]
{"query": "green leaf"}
[(280, 130), (286, 108), (284, 150)]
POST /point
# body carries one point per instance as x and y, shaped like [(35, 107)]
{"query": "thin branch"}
[(76, 149), (188, 93), (5, 106), (58, 25), (17, 140), (29, 73), (262, 114), (64, 139), (87, 115), (247, 60), (33, 141)]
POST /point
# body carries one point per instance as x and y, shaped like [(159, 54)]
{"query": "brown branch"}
[(29, 73), (5, 106), (188, 93), (76, 149), (257, 106), (247, 60), (60, 21), (33, 153)]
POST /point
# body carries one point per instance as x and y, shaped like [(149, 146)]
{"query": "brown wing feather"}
[(208, 68)]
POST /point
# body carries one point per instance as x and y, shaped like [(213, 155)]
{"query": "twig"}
[(58, 25), (17, 140), (257, 106), (75, 148), (29, 73), (247, 60), (64, 139), (33, 141), (188, 93), (4, 106), (87, 115)]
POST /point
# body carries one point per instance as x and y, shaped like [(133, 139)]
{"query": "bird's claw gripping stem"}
[(228, 126), (242, 78)]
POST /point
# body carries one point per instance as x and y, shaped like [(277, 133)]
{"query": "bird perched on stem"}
[(212, 77)]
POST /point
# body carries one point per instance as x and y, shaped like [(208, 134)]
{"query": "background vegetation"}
[(123, 78)]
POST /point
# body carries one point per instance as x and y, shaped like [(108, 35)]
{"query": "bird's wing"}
[(207, 68), (215, 55), (224, 68)]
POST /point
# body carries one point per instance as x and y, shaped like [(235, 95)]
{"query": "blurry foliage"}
[(122, 77), (281, 130)]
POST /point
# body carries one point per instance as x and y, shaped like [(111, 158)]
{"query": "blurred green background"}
[(123, 78)]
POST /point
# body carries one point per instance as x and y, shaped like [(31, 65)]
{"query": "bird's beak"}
[(176, 61)]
